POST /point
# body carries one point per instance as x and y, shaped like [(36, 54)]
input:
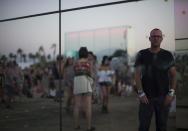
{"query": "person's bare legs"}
[(107, 97), (66, 96), (77, 101), (88, 109), (106, 90), (103, 92), (69, 98)]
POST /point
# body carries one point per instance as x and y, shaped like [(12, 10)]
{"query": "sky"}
[(181, 10), (31, 33)]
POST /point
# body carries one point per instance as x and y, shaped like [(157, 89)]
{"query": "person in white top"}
[(105, 76)]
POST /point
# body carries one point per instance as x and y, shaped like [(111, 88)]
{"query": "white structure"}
[(102, 41)]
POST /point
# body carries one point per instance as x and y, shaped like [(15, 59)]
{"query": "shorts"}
[(84, 94), (82, 85), (105, 83)]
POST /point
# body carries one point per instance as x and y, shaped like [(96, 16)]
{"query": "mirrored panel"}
[(27, 83), (110, 19), (118, 31), (18, 8)]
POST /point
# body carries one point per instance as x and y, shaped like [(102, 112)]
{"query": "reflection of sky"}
[(16, 8), (181, 11), (30, 33)]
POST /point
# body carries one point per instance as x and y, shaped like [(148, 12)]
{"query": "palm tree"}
[(20, 52), (14, 56), (37, 56), (11, 56), (49, 57), (53, 47), (24, 57), (32, 57), (42, 54), (41, 50), (3, 58)]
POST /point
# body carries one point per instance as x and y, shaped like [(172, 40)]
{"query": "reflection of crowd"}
[(39, 81), (182, 74), (11, 80), (33, 82), (43, 81)]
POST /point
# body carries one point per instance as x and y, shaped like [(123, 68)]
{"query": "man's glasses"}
[(156, 36)]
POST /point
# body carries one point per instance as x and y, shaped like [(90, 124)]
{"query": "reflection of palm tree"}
[(41, 50), (20, 52), (49, 57), (24, 57), (42, 56), (11, 56), (53, 47), (37, 55), (15, 56), (32, 57), (3, 58)]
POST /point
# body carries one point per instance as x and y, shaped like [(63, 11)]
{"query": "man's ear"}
[(149, 38)]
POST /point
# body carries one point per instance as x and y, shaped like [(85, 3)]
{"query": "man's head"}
[(156, 38)]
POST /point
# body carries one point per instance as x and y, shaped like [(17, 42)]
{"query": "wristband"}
[(141, 93), (171, 92)]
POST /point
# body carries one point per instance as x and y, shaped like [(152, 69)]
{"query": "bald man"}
[(155, 82)]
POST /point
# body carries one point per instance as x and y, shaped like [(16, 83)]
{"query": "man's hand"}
[(168, 100), (144, 99)]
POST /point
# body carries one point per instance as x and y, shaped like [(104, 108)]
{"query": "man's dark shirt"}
[(154, 71)]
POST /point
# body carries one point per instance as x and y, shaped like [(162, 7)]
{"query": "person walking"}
[(105, 78), (155, 77)]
